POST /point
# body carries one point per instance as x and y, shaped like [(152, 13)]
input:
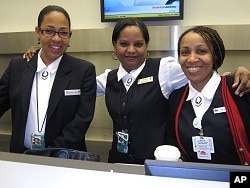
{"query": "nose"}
[(192, 58), (131, 48), (56, 36)]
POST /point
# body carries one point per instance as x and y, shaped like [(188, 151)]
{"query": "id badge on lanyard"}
[(37, 141), (203, 146), (122, 141)]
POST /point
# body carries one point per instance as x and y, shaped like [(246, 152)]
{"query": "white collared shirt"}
[(206, 95), (125, 76), (170, 76), (42, 92)]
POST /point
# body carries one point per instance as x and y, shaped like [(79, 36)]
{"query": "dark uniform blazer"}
[(68, 117)]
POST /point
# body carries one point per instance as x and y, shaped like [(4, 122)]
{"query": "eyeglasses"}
[(52, 32)]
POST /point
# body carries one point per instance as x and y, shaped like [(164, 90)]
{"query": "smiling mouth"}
[(131, 57), (55, 47), (193, 69)]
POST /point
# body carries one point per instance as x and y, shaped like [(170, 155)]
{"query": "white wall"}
[(21, 15)]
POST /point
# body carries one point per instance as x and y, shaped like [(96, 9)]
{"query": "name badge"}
[(145, 80), (203, 146), (122, 142), (72, 92), (219, 110), (37, 141)]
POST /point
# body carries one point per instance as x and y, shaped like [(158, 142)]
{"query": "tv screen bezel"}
[(180, 17), (189, 170)]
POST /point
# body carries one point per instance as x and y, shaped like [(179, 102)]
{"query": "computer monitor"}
[(147, 10), (188, 170)]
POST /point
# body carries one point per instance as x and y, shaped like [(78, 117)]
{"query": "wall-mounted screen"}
[(147, 10)]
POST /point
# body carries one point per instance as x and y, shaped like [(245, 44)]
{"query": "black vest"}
[(225, 152), (142, 111)]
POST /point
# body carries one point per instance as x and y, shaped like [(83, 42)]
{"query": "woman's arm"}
[(241, 80)]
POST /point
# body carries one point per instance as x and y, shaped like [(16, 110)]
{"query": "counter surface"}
[(19, 170)]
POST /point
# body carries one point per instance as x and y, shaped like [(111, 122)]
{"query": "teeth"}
[(55, 47), (193, 68)]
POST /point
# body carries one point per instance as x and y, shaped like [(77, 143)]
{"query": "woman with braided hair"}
[(208, 123)]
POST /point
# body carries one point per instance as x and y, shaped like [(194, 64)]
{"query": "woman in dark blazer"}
[(61, 118)]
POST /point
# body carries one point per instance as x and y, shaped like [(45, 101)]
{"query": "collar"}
[(122, 72), (209, 89), (52, 67)]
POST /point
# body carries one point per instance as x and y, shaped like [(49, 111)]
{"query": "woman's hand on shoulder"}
[(241, 81), (31, 52)]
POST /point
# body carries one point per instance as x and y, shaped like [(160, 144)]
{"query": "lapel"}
[(27, 82), (61, 81)]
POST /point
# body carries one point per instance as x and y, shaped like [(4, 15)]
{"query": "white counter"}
[(22, 171)]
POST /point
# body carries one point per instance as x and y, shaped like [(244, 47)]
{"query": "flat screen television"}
[(146, 10), (188, 170)]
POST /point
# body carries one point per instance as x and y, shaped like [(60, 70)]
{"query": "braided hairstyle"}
[(213, 41)]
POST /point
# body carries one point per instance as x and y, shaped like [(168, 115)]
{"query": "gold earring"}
[(114, 57), (147, 55)]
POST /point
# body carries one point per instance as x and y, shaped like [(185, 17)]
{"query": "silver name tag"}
[(145, 80), (219, 110), (72, 92)]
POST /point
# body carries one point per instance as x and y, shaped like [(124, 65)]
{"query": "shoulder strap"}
[(236, 124), (177, 119)]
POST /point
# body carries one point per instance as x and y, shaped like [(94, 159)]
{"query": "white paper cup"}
[(167, 153)]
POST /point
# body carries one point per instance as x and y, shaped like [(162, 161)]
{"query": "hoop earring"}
[(114, 57), (38, 42)]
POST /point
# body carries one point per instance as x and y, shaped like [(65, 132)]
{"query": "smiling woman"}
[(198, 45), (205, 112), (136, 94), (41, 89), (53, 32)]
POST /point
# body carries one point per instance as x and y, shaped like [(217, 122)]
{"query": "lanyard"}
[(37, 110)]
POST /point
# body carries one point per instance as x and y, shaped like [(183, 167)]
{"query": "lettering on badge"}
[(72, 92), (145, 80)]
